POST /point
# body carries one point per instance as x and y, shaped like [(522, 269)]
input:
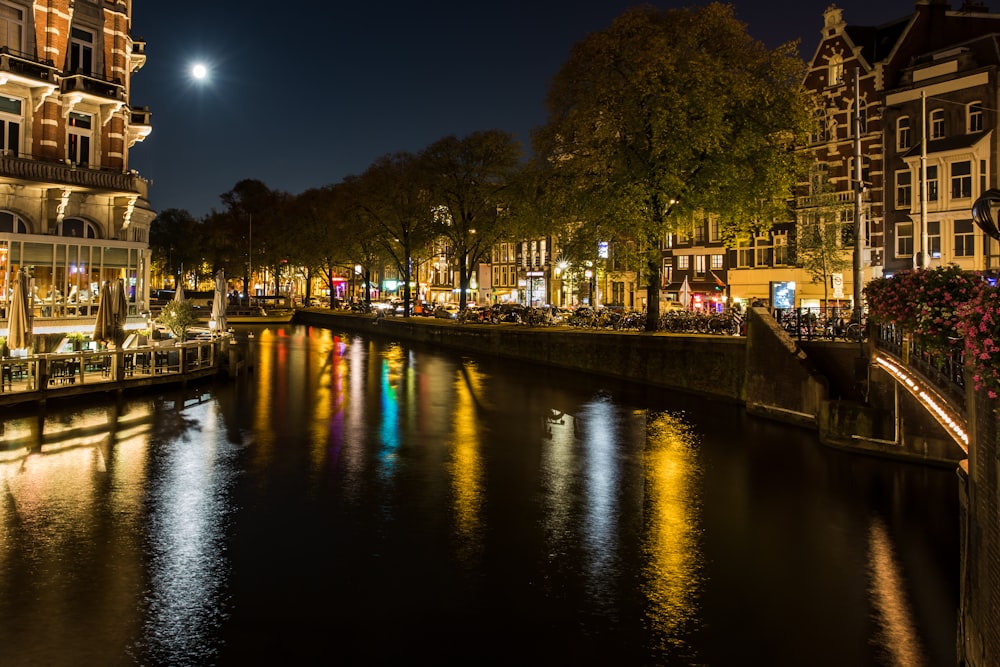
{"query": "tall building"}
[(72, 212), (851, 73)]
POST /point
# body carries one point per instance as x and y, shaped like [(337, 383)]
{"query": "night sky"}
[(300, 95)]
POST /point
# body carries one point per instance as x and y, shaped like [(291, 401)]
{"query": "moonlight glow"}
[(199, 71)]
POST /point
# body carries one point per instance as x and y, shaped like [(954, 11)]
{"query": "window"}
[(668, 272), (81, 51), (700, 265), (744, 255), (904, 189), (12, 223), (699, 232), (713, 230), (961, 180), (903, 139), (78, 142), (717, 262), (683, 262), (982, 176), (77, 228), (975, 115), (965, 239), (818, 134), (835, 71), (937, 124), (934, 239), (904, 239), (12, 28), (932, 183), (10, 126), (862, 121), (763, 251), (780, 249)]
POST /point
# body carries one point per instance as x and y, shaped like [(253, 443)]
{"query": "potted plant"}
[(76, 339), (178, 316)]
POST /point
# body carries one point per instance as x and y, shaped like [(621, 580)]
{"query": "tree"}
[(467, 180), (669, 114), (177, 317), (264, 213), (393, 199), (822, 245), (175, 238)]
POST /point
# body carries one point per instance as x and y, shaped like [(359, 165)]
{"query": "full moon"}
[(199, 71)]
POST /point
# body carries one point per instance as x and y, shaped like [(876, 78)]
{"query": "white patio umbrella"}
[(685, 293), (219, 302), (179, 294), (19, 323)]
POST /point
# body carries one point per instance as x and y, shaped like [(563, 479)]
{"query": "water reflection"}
[(187, 535), (897, 634), (462, 507), (672, 546), (466, 464)]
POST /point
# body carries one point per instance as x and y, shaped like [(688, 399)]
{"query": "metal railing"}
[(945, 371)]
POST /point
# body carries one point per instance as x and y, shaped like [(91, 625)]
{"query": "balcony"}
[(26, 68), (56, 173), (94, 87), (138, 56), (825, 199)]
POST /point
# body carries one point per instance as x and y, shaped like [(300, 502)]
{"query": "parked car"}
[(446, 311)]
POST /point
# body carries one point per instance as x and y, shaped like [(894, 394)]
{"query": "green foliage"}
[(673, 113), (177, 317)]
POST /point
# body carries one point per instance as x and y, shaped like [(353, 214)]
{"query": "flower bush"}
[(925, 302), (980, 328)]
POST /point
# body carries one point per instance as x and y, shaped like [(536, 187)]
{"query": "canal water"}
[(357, 501)]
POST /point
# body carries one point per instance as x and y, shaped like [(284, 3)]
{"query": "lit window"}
[(780, 249), (717, 262), (835, 71), (699, 265), (744, 255), (934, 239), (683, 262)]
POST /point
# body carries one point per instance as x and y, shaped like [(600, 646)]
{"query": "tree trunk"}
[(653, 294)]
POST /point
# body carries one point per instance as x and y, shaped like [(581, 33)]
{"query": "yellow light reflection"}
[(898, 635), (466, 465), (673, 574)]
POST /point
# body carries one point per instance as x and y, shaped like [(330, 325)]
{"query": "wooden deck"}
[(44, 377)]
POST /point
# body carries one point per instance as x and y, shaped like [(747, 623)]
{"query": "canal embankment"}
[(826, 387)]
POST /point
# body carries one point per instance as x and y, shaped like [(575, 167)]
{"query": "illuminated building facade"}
[(72, 213), (851, 72)]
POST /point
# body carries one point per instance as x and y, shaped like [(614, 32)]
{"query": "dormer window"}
[(975, 115)]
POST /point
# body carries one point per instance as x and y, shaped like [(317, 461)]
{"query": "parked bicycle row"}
[(838, 323)]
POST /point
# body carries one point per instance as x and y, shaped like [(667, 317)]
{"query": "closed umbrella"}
[(219, 303), (179, 294), (685, 293), (119, 311), (104, 327), (19, 324)]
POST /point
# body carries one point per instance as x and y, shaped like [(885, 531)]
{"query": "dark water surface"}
[(355, 501)]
